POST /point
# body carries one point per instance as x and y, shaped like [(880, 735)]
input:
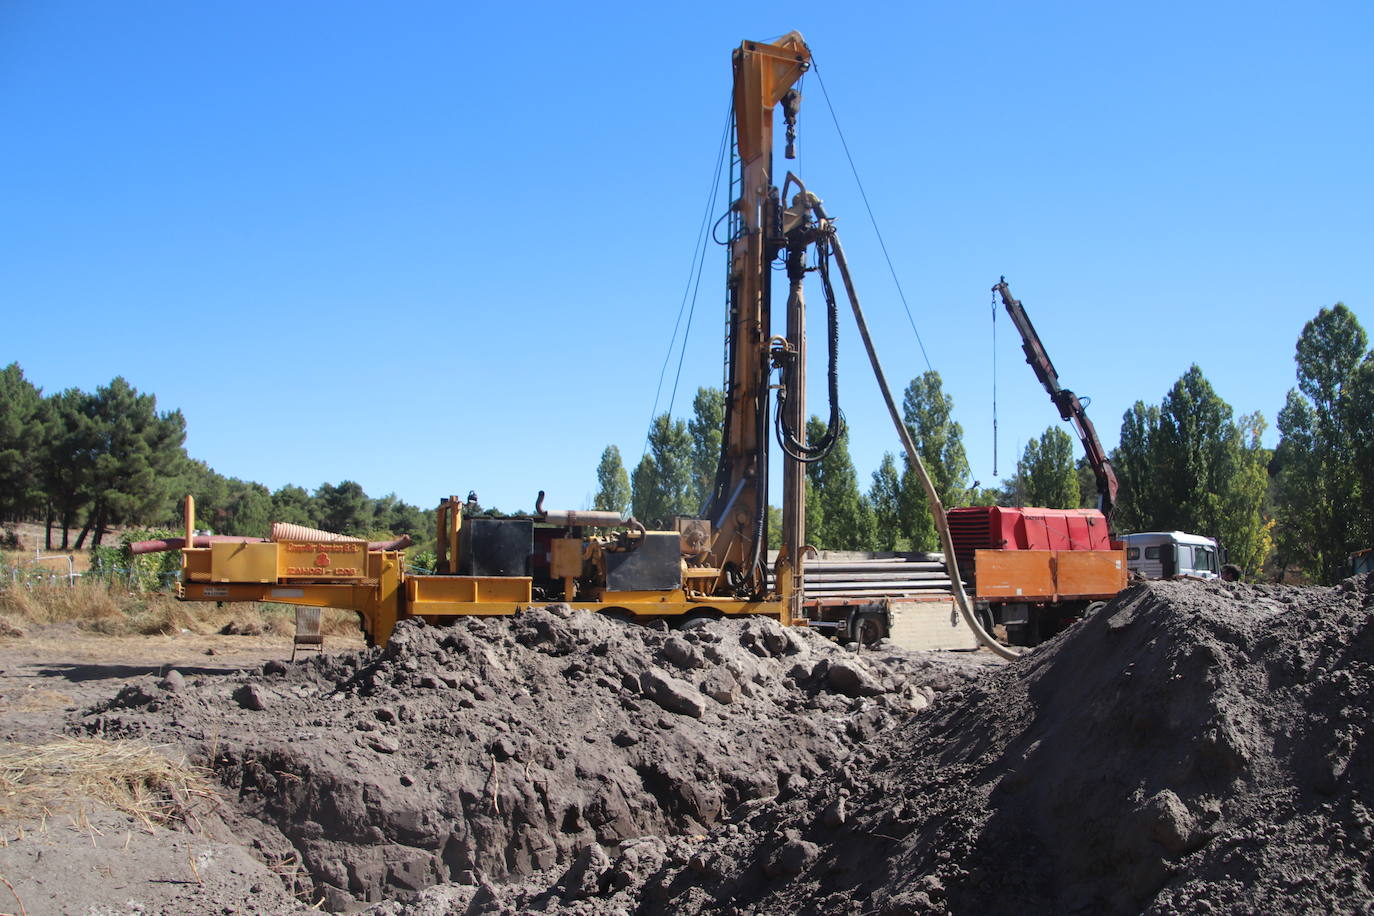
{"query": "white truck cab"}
[(1161, 554)]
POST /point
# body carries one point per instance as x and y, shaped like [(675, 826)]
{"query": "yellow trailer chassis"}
[(346, 574)]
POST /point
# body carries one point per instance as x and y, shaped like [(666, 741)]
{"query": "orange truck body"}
[(1049, 575), (1036, 570)]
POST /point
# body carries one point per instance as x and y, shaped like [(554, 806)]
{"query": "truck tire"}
[(867, 628), (1025, 634)]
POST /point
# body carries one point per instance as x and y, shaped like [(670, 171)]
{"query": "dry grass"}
[(130, 776), (92, 605), (105, 608)]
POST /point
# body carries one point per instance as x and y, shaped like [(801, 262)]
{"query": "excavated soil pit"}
[(1193, 748), (495, 748)]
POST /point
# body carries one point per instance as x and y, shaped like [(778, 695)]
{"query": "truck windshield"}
[(1204, 559)]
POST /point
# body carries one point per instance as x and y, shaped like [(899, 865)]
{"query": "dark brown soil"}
[(496, 748), (1194, 748)]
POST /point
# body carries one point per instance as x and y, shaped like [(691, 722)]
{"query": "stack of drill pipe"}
[(164, 545), (864, 578)]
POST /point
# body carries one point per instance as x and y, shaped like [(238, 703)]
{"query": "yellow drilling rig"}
[(708, 566), (718, 564)]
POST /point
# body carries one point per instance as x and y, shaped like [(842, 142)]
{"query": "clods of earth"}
[(1193, 747), (496, 748)]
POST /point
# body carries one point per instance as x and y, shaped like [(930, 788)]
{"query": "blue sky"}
[(435, 247)]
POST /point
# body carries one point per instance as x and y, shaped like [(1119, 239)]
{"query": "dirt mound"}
[(494, 748), (1195, 747)]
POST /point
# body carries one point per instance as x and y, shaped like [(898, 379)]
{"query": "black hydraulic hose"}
[(789, 439), (833, 318)]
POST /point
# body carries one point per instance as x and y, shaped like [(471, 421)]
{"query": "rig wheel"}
[(697, 619), (618, 614)]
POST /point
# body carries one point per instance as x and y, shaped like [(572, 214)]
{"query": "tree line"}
[(678, 468), (1187, 463), (108, 458)]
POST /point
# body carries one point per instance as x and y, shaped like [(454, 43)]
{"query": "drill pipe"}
[(165, 544)]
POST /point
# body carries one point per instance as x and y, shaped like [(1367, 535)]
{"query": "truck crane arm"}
[(1068, 404)]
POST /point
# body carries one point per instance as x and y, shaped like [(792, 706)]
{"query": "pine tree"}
[(1140, 500), (394, 516), (292, 504), (21, 438), (1246, 519), (248, 509), (929, 415), (1187, 466), (210, 491), (1322, 486), (1088, 497), (70, 441), (136, 456), (1359, 396), (1046, 473), (662, 482), (344, 509), (613, 484), (847, 521), (813, 534), (885, 494), (706, 428)]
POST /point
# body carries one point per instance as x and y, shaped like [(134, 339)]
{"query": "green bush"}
[(145, 573)]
